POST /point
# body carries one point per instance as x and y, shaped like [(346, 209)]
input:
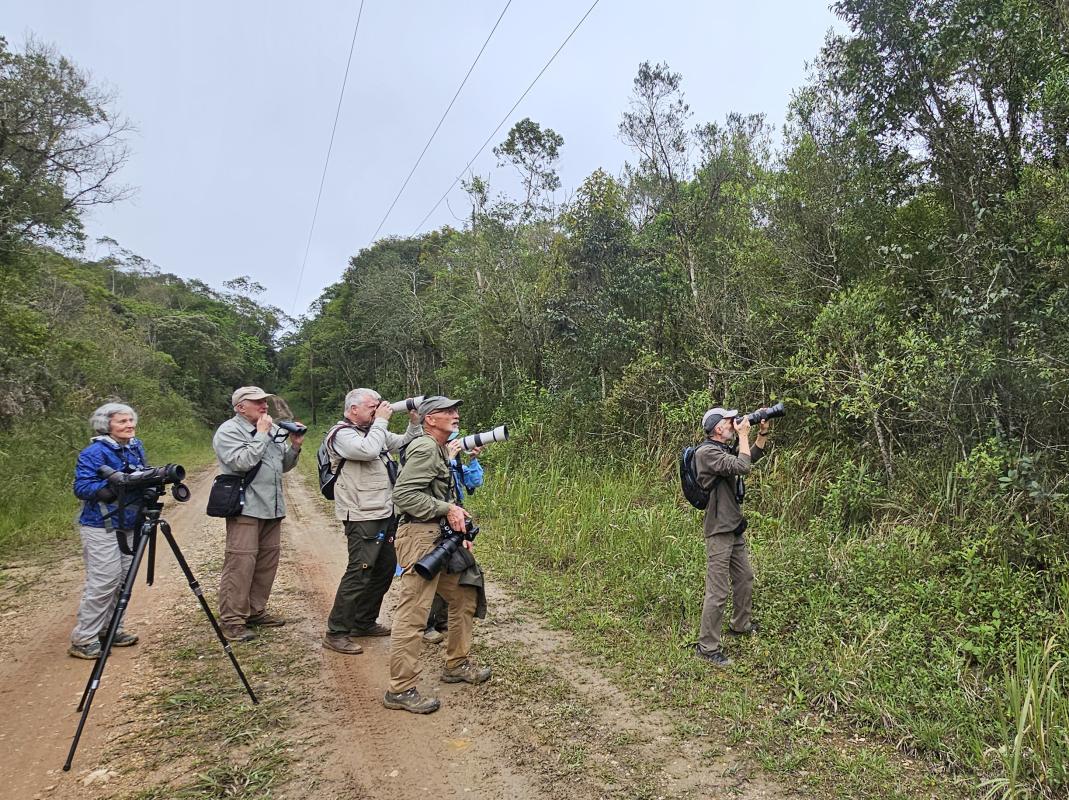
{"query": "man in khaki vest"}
[(423, 496), (359, 448)]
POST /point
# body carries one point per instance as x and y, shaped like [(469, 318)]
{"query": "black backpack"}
[(688, 477), (327, 476)]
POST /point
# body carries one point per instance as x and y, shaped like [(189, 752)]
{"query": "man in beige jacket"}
[(359, 446)]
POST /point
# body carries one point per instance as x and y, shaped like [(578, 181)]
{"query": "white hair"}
[(100, 420), (356, 395)]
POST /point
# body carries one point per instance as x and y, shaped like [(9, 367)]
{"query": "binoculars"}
[(408, 404), (292, 427), (498, 434)]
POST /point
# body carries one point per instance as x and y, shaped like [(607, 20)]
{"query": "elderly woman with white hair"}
[(102, 522)]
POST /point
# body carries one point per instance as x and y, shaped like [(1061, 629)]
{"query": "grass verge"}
[(864, 681), (37, 506)]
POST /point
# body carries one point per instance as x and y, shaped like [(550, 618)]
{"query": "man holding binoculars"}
[(422, 497)]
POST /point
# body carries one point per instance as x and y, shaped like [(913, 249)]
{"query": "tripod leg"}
[(105, 650), (199, 592), (150, 570)]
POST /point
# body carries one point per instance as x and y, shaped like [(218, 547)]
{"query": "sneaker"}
[(90, 651), (237, 633), (433, 636), (265, 620), (466, 672), (122, 639), (717, 658), (374, 630), (754, 628), (340, 643), (410, 700)]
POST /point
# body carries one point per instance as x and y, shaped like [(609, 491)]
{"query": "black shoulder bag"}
[(227, 497)]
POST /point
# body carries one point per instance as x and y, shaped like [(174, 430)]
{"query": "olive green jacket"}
[(424, 489), (238, 447)]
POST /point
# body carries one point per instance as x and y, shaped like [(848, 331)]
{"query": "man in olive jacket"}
[(253, 539), (359, 448), (721, 467), (422, 496)]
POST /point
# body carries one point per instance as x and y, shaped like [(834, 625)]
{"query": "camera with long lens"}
[(432, 563), (498, 434), (408, 404), (761, 414), (150, 479)]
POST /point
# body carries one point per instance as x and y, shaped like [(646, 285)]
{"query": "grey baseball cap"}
[(436, 402), (714, 415), (248, 393)]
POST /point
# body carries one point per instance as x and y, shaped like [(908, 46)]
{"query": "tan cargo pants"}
[(249, 566), (414, 598), (726, 557)]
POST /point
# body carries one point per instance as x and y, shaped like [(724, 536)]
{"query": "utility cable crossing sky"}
[(504, 119), (467, 166), (412, 171), (326, 161)]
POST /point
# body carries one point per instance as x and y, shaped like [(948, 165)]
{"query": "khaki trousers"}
[(726, 557), (414, 597), (249, 566)]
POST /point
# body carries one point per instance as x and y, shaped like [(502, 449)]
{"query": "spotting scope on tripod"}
[(145, 488)]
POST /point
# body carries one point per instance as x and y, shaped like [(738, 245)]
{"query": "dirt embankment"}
[(547, 725)]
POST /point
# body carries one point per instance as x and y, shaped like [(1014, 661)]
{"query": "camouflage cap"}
[(436, 402)]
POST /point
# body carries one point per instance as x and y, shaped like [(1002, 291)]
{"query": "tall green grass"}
[(891, 617), (37, 504)]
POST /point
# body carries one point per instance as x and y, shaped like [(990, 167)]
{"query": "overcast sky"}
[(234, 103)]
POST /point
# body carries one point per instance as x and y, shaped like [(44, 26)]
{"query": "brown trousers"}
[(726, 557), (249, 566), (414, 597)]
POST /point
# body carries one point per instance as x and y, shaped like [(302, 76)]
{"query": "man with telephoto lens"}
[(721, 465), (250, 441), (422, 498), (359, 448)]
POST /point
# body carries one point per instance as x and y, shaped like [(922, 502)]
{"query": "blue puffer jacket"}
[(104, 451)]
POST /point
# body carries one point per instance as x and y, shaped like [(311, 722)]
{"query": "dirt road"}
[(547, 725)]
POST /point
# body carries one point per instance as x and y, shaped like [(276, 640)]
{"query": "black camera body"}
[(432, 563)]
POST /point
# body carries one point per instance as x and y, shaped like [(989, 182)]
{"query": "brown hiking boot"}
[(374, 630), (265, 620), (340, 643), (237, 633), (466, 672), (410, 700), (433, 636)]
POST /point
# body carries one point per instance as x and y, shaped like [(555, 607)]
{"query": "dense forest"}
[(893, 265)]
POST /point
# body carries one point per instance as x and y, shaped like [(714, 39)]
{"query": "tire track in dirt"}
[(548, 725), (40, 685)]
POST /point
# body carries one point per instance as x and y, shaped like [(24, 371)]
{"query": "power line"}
[(505, 118), (326, 161), (412, 171)]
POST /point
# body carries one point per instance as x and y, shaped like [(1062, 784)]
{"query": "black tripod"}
[(145, 538)]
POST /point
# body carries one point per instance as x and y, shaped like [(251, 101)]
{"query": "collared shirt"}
[(424, 489), (239, 447), (724, 513)]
